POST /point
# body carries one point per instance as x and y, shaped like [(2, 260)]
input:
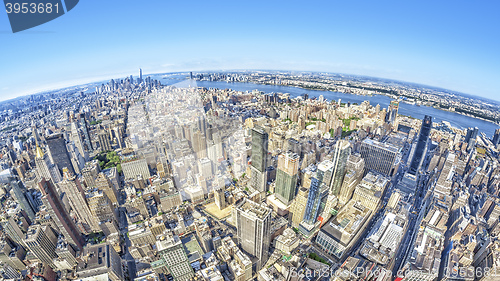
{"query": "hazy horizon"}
[(446, 46), (65, 85)]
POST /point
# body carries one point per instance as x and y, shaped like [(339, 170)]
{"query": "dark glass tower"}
[(259, 149), (58, 152), (19, 193), (258, 178), (423, 136), (496, 137)]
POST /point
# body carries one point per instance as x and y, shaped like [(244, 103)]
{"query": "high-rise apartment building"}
[(318, 191), (286, 176), (253, 223)]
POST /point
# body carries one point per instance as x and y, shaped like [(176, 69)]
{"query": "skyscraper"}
[(104, 141), (90, 172), (471, 141), (12, 229), (220, 198), (103, 183), (18, 191), (298, 206), (496, 137), (42, 242), (259, 149), (318, 193), (341, 153), (380, 157), (100, 206), (421, 145), (76, 196), (355, 168), (57, 212), (58, 152), (85, 130), (259, 159), (45, 169), (77, 140), (286, 176), (253, 223), (392, 113), (140, 75)]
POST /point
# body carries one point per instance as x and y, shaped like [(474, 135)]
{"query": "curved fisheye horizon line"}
[(123, 74)]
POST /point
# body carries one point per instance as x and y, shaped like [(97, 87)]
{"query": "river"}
[(455, 119)]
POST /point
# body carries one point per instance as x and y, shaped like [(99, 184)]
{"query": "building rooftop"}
[(254, 209), (382, 145), (167, 241), (348, 222), (95, 261), (374, 181)]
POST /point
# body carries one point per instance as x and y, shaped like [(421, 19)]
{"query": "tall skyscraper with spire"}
[(59, 215), (45, 169)]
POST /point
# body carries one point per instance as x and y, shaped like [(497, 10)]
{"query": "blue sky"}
[(450, 44)]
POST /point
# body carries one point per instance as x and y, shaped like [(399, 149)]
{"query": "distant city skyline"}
[(440, 45)]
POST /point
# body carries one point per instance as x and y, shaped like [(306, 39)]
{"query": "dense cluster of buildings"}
[(141, 181)]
